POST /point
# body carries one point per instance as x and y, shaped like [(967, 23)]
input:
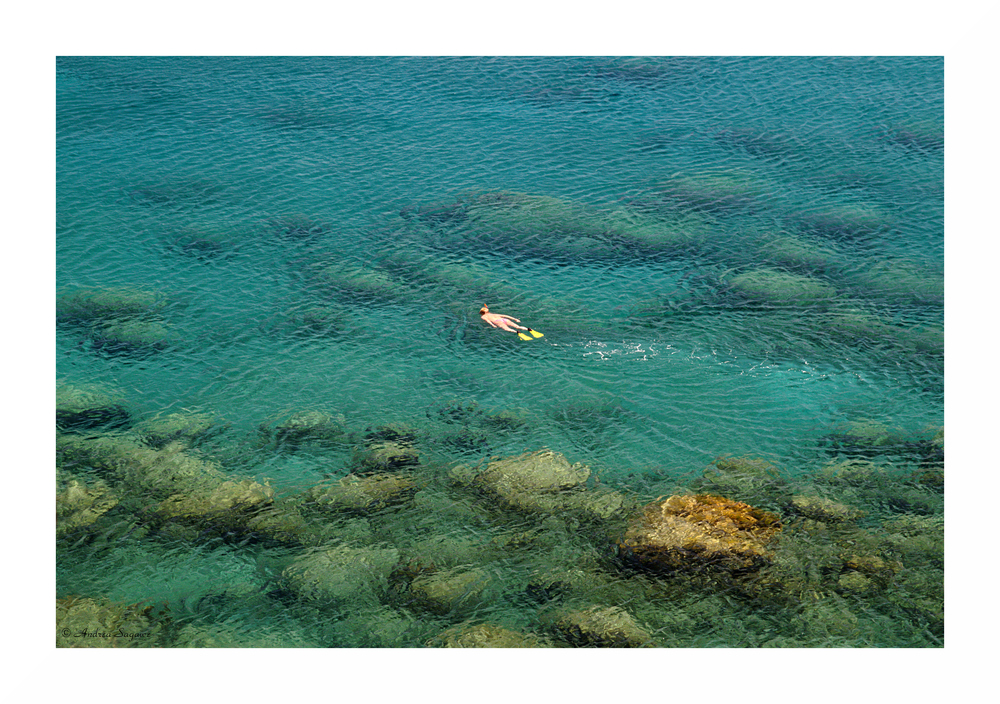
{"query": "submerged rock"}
[(385, 457), (758, 142), (820, 508), (664, 231), (531, 481), (598, 626), (546, 225), (298, 227), (310, 320), (281, 521), (83, 407), (456, 590), (342, 574), (123, 459), (310, 426), (484, 635), (357, 283), (174, 191), (878, 571), (536, 215), (781, 288), (226, 506), (133, 336), (364, 494), (105, 304), (744, 478), (918, 540), (926, 135), (798, 254), (83, 622), (79, 505), (207, 239), (862, 473), (224, 635), (716, 190), (849, 221), (868, 437), (540, 471), (688, 532), (857, 328), (598, 505), (751, 469), (183, 427), (900, 281)]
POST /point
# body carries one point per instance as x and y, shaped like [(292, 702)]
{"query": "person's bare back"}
[(506, 322)]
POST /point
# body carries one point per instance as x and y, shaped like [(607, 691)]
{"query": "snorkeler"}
[(499, 320)]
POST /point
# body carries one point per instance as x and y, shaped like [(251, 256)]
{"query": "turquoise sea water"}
[(624, 207)]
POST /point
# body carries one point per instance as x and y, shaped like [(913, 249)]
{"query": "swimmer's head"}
[(484, 310)]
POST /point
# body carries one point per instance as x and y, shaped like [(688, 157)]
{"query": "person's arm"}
[(510, 317)]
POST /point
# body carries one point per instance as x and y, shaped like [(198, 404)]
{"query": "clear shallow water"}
[(652, 365)]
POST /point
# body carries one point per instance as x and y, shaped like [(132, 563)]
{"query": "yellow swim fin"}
[(523, 336), (535, 333)]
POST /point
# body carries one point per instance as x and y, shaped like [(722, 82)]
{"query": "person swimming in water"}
[(506, 322)]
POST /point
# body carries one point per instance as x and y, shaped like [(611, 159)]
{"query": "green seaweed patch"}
[(466, 440), (456, 411), (400, 433)]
